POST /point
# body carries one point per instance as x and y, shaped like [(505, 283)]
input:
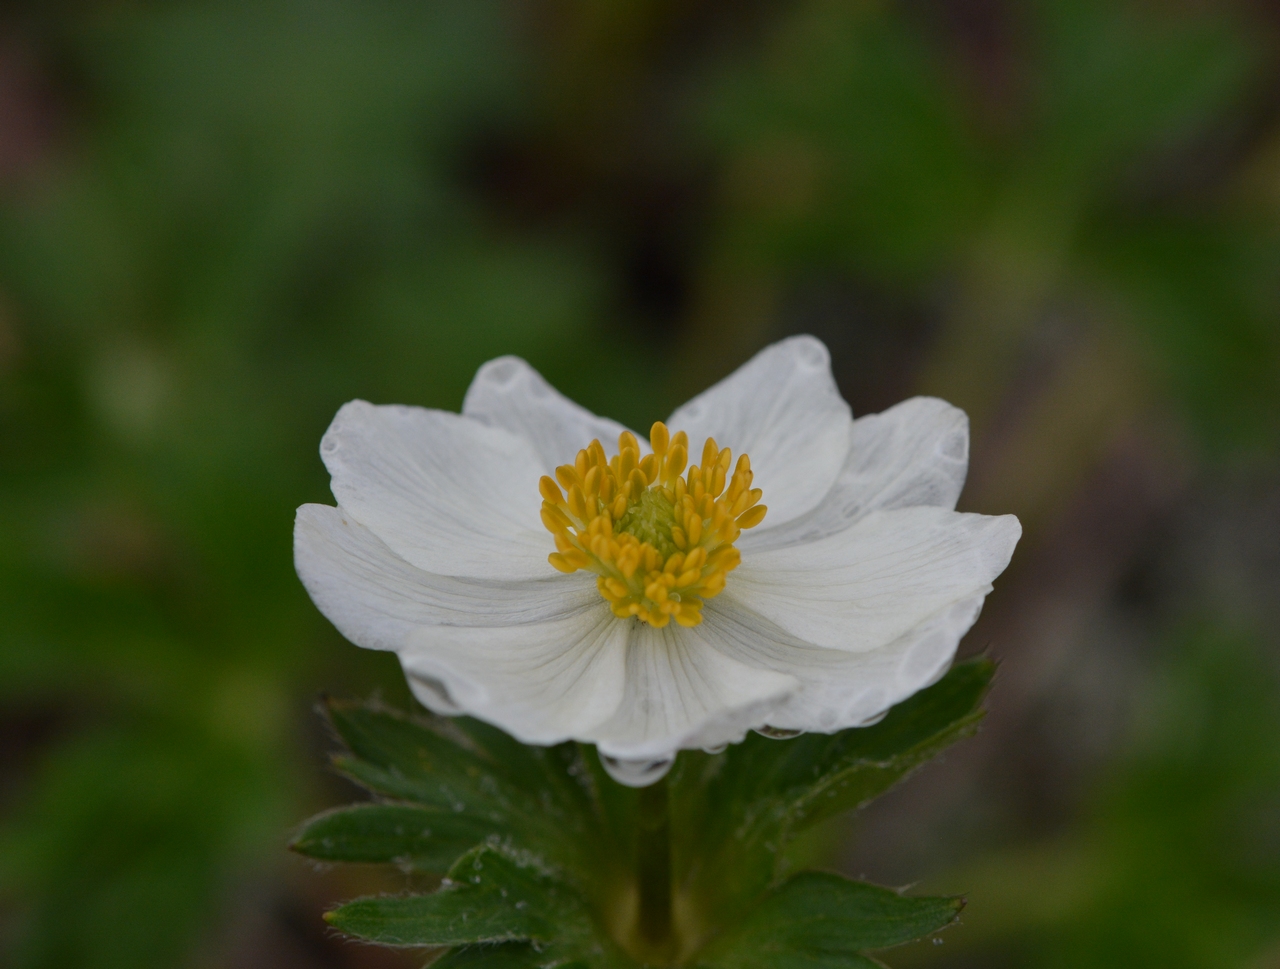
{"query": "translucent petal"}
[(783, 409), (376, 598), (681, 692), (863, 587), (838, 688), (510, 394), (446, 493), (542, 682), (915, 453)]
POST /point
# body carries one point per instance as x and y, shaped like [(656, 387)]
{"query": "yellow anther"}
[(549, 490), (717, 481), (657, 532), (725, 557), (596, 454), (676, 459), (694, 529), (710, 452), (649, 467), (712, 585), (627, 460), (637, 482), (554, 519), (741, 502), (577, 503), (561, 562), (659, 438)]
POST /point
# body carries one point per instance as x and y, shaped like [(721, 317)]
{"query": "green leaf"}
[(767, 791), (505, 955), (407, 759), (912, 732), (403, 758), (855, 766), (502, 955), (430, 839), (489, 896), (822, 921)]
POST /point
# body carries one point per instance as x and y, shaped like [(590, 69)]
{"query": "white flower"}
[(850, 595)]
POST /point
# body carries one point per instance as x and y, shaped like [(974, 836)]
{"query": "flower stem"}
[(653, 865)]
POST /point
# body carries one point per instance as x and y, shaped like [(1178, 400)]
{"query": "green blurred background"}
[(221, 220)]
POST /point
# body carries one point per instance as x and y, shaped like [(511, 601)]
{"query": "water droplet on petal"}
[(637, 773)]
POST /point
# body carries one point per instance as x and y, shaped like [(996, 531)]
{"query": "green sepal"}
[(489, 895), (425, 838), (818, 920)]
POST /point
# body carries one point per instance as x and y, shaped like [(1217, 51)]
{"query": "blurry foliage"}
[(255, 223), (253, 212), (1176, 863), (851, 147)]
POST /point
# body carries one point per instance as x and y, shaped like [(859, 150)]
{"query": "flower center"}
[(659, 541)]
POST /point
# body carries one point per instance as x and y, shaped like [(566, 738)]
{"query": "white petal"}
[(915, 453), (682, 692), (542, 682), (510, 394), (447, 493), (840, 689), (862, 588), (783, 409), (376, 599)]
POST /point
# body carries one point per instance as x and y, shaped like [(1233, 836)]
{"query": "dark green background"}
[(221, 220)]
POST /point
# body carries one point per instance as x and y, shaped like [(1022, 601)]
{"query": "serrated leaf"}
[(490, 895), (936, 715), (823, 921), (406, 759), (401, 758), (767, 791), (860, 764), (429, 839), (545, 773)]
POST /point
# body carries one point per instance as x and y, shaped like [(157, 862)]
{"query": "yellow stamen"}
[(659, 535)]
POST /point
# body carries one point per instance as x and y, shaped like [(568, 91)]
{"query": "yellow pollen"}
[(658, 536)]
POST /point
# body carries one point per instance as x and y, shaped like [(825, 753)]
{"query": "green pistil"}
[(650, 520)]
